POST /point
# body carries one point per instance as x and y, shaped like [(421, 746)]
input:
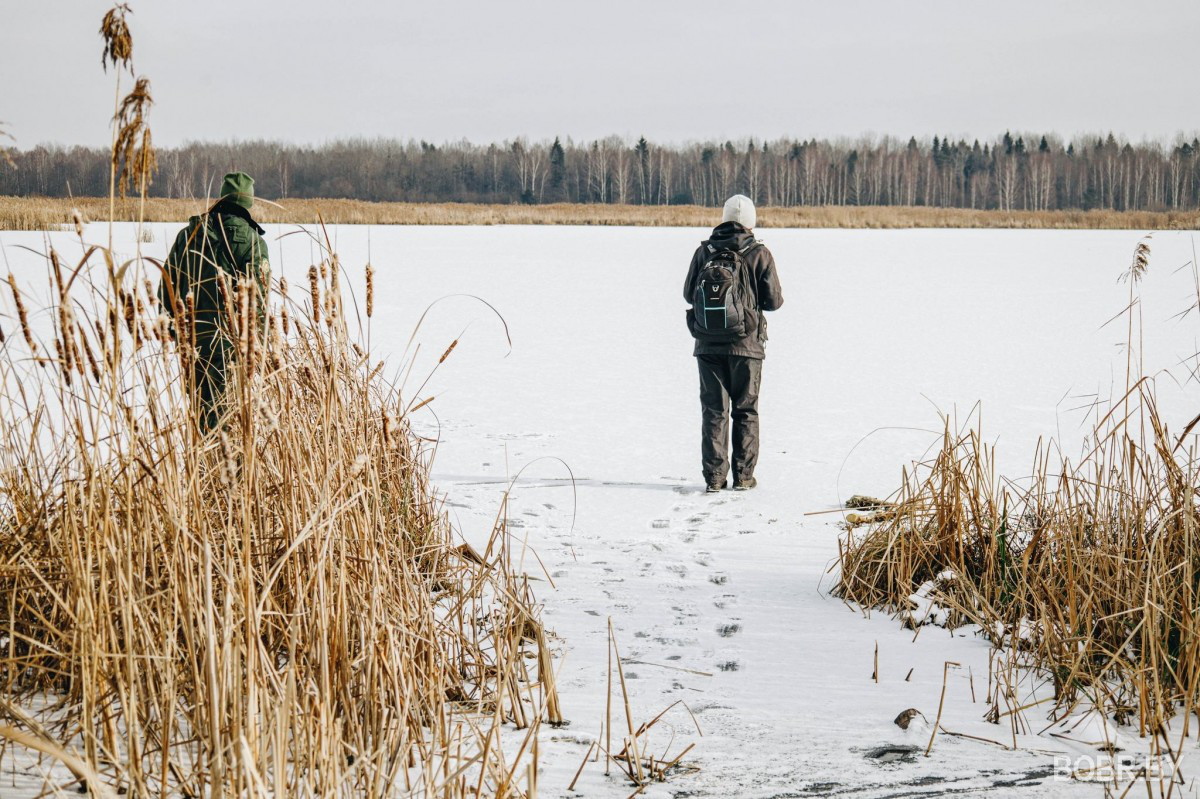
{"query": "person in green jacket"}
[(223, 240)]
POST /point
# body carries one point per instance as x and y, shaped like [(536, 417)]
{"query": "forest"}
[(1013, 172)]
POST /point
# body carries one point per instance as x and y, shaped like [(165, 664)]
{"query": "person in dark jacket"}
[(731, 364), (225, 240)]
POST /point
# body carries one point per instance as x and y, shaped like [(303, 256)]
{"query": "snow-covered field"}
[(722, 600)]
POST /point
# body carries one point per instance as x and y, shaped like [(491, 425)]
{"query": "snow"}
[(722, 601)]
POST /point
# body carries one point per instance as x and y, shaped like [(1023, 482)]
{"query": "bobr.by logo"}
[(1106, 768)]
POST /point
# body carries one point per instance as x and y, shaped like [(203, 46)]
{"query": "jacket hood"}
[(731, 236), (229, 208)]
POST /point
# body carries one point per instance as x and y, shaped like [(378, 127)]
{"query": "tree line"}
[(1013, 172)]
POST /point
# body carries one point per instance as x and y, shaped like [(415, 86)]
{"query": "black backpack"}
[(721, 300)]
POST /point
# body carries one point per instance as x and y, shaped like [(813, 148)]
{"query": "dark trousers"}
[(728, 387), (209, 368)]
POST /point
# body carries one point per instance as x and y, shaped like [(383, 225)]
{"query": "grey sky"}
[(674, 71)]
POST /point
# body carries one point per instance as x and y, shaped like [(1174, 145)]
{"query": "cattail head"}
[(250, 324), (226, 299), (370, 291), (22, 316), (243, 312), (449, 350), (77, 218), (66, 323), (275, 343), (162, 328), (189, 319), (315, 290), (127, 306), (91, 357), (228, 461)]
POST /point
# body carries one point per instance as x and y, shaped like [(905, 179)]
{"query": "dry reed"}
[(278, 608), (47, 213), (1089, 569), (274, 608)]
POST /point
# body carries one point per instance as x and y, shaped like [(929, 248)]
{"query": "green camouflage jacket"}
[(225, 239)]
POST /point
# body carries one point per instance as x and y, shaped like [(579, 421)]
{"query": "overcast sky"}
[(674, 71)]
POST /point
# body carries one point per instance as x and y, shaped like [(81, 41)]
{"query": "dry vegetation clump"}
[(277, 608), (1091, 569), (47, 213)]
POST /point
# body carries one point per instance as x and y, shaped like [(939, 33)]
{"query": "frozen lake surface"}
[(722, 600)]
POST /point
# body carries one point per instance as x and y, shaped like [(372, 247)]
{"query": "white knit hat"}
[(740, 208)]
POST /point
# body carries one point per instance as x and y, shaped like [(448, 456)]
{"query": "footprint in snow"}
[(718, 579), (729, 630), (591, 613), (660, 524), (729, 665)]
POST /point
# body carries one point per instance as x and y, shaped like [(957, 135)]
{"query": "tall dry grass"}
[(45, 213), (1089, 568), (277, 608)]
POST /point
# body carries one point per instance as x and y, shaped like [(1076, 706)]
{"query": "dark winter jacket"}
[(225, 240), (764, 286)]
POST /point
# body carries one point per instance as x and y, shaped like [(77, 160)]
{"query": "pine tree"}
[(558, 169), (642, 150)]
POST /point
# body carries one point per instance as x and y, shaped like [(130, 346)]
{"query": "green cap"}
[(238, 187)]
